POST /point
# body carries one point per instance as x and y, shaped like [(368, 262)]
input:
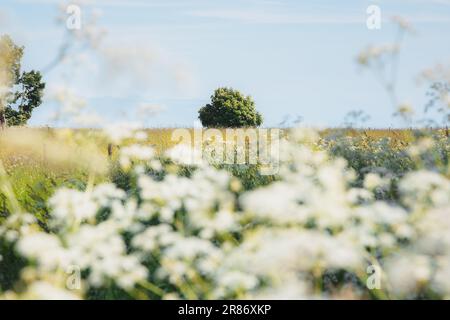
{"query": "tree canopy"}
[(230, 109), (20, 92)]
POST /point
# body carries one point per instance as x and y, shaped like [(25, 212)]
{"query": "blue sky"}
[(293, 57)]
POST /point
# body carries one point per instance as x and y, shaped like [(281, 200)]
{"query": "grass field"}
[(139, 224), (37, 161)]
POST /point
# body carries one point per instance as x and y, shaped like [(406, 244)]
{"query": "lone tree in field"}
[(20, 92), (230, 109)]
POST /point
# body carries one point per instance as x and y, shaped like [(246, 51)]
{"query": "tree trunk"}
[(2, 120)]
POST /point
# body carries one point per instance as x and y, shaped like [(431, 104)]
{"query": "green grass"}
[(56, 158)]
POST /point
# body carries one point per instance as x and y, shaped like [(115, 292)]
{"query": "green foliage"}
[(25, 88), (230, 109), (33, 185), (249, 176), (11, 265), (390, 157)]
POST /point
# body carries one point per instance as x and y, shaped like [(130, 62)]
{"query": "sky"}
[(296, 58)]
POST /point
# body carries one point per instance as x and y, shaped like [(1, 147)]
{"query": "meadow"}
[(124, 212), (36, 167), (357, 214)]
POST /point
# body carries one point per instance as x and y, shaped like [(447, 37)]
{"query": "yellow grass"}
[(89, 149)]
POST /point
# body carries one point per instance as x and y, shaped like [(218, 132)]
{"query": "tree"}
[(230, 109), (20, 92)]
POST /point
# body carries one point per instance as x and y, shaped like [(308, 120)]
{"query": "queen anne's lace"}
[(309, 234)]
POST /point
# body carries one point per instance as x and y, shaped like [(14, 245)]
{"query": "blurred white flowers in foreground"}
[(171, 235)]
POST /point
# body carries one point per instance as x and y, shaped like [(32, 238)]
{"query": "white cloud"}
[(444, 2), (114, 3), (259, 17)]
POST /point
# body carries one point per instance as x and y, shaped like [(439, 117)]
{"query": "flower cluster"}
[(196, 234)]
